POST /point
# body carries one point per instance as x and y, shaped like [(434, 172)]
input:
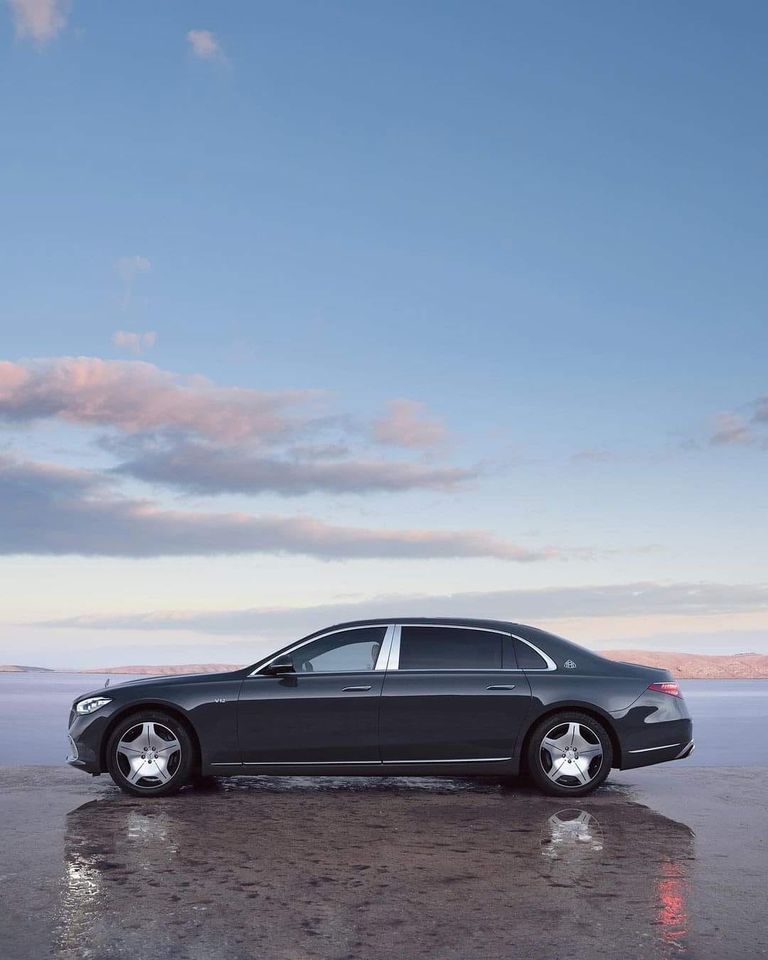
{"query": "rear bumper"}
[(656, 728), (658, 743)]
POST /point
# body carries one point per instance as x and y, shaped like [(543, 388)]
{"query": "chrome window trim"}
[(381, 660), (389, 654), (386, 645), (394, 656), (463, 670), (456, 626), (550, 663), (394, 652)]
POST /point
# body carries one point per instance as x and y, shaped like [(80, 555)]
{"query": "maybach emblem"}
[(569, 665)]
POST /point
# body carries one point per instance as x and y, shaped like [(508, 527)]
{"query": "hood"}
[(166, 680)]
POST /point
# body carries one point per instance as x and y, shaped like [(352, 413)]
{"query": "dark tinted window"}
[(509, 658), (449, 648), (348, 650), (527, 658)]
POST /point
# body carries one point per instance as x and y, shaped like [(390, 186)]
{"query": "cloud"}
[(134, 396), (642, 599), (321, 451), (741, 429), (129, 269), (46, 509), (200, 469), (407, 424), (761, 410), (204, 45), (135, 342), (730, 430), (38, 20), (195, 436)]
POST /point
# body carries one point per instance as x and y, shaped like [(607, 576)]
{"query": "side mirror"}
[(280, 667)]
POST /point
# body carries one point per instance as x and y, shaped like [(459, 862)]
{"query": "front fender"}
[(209, 710)]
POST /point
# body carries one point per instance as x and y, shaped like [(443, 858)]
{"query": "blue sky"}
[(488, 281)]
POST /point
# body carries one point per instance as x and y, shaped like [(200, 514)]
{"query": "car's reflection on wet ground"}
[(346, 868)]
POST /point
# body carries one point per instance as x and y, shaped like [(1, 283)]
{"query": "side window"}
[(348, 650), (527, 658), (510, 660), (449, 648)]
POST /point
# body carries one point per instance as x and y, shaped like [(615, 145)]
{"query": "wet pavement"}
[(659, 864)]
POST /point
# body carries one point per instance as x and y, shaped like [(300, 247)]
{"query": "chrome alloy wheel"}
[(148, 754), (571, 754)]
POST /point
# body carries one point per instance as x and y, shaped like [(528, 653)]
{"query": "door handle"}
[(502, 686), (355, 689)]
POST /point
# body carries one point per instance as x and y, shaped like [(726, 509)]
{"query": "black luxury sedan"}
[(396, 697)]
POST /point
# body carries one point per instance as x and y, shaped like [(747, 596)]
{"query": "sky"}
[(315, 312)]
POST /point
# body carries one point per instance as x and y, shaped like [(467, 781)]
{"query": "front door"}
[(325, 712), (448, 696)]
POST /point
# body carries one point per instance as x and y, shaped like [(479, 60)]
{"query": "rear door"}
[(450, 694)]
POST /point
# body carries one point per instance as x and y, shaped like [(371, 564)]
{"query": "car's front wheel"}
[(150, 754), (569, 754)]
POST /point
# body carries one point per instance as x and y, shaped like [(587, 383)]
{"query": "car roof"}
[(452, 621)]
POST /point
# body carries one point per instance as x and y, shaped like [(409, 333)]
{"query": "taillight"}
[(672, 687)]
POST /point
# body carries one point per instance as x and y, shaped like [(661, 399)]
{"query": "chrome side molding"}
[(664, 746)]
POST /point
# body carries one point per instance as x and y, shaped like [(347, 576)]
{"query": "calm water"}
[(730, 717)]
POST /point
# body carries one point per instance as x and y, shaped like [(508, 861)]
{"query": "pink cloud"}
[(204, 45), (407, 424), (39, 20), (730, 430), (135, 396)]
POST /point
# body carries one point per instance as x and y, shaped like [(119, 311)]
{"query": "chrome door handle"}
[(355, 689), (502, 686)]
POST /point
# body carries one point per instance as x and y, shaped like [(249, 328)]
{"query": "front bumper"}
[(73, 757), (85, 737)]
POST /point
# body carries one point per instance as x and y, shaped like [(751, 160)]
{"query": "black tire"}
[(540, 763), (173, 770)]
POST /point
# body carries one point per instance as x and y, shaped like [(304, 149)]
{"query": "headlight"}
[(91, 704)]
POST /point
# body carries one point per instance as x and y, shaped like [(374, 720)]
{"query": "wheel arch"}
[(171, 710), (588, 708)]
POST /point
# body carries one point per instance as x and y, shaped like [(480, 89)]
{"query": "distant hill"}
[(698, 666), (17, 668), (167, 669)]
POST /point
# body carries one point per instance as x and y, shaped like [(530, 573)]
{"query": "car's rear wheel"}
[(569, 754), (150, 754)]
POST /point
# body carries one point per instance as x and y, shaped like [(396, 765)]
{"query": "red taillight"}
[(672, 687)]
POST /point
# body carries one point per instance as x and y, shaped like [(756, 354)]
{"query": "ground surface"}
[(665, 863)]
